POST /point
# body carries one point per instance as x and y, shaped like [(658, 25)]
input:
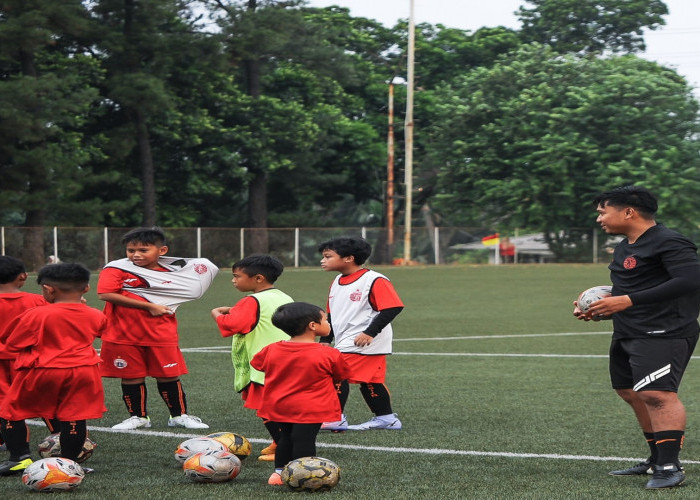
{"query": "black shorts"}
[(651, 364)]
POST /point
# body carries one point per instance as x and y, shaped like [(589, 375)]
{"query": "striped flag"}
[(490, 240)]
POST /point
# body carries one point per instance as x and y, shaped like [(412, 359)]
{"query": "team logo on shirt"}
[(120, 363), (356, 296), (200, 268), (630, 263)]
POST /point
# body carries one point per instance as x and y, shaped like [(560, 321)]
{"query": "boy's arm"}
[(122, 300), (239, 319)]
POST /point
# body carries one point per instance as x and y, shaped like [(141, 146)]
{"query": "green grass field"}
[(502, 393)]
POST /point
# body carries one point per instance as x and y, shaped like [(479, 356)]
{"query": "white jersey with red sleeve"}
[(353, 302)]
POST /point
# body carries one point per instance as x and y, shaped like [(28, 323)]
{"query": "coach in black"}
[(654, 306)]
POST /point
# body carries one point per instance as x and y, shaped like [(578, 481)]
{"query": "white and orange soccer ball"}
[(212, 467), (196, 445), (53, 474)]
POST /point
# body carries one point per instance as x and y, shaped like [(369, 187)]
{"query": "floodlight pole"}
[(408, 132)]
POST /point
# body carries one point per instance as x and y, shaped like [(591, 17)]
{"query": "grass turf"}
[(484, 417)]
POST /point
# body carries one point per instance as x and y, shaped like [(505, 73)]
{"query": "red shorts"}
[(63, 393), (5, 376), (138, 361), (252, 396), (370, 369)]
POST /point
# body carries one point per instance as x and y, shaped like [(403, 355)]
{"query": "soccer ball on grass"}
[(196, 445), (50, 446), (236, 444), (53, 474), (311, 474), (212, 467)]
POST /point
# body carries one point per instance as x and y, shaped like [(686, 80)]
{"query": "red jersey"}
[(241, 319), (11, 306), (299, 381), (55, 336), (129, 325)]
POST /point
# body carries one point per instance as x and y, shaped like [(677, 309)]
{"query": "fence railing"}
[(297, 247)]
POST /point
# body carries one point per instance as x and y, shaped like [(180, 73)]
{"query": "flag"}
[(490, 240)]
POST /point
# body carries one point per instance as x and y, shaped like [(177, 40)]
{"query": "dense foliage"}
[(265, 113)]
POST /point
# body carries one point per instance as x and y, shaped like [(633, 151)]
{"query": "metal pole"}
[(55, 243), (296, 247), (390, 171), (105, 242), (408, 131), (199, 242)]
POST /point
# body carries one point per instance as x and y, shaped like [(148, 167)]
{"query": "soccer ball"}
[(236, 444), (53, 474), (50, 446), (212, 467), (195, 445), (311, 474), (591, 295)]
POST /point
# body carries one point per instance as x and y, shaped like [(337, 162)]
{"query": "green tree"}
[(591, 26), (46, 90), (528, 141)]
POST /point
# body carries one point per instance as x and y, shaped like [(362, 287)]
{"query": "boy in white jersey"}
[(361, 305)]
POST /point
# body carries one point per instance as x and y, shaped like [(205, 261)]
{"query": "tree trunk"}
[(147, 170), (257, 211)]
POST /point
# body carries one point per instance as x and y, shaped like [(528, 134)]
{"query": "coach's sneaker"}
[(12, 467), (640, 469), (337, 426), (187, 421), (390, 421), (132, 423), (666, 476)]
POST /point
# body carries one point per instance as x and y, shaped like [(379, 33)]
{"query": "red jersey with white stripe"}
[(129, 325)]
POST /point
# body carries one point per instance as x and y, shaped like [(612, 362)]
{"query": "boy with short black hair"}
[(56, 367), (141, 293), (13, 302), (249, 322), (299, 381), (361, 305)]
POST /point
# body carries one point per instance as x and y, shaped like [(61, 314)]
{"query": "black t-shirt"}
[(659, 257)]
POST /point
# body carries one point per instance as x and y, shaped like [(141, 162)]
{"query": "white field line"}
[(486, 337), (388, 449)]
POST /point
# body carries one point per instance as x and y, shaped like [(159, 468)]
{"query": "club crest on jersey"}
[(120, 363), (200, 268), (356, 296), (630, 263)]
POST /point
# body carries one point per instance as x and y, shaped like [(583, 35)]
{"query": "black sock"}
[(174, 397), (73, 436), (16, 436), (377, 398), (52, 424), (649, 436), (274, 429), (134, 396), (669, 444), (343, 389)]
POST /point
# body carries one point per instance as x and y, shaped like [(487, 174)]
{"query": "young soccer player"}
[(13, 302), (361, 305), (249, 322), (56, 367), (141, 293), (299, 382)]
